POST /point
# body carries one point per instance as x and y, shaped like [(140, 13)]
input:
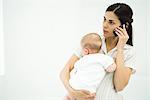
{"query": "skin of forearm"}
[(120, 75), (65, 76), (65, 73)]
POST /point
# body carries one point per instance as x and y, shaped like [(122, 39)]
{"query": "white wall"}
[(1, 49), (1, 40), (148, 47), (40, 36)]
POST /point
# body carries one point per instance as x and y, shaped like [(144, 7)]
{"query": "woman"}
[(117, 43)]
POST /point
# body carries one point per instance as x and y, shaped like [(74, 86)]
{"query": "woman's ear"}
[(85, 51)]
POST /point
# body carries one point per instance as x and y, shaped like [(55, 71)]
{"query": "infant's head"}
[(91, 43)]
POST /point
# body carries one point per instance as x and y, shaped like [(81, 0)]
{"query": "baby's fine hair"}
[(91, 41)]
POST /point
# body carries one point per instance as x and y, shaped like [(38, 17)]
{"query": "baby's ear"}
[(85, 51)]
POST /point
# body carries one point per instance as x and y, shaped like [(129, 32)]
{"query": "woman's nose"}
[(105, 24)]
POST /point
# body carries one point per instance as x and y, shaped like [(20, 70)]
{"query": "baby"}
[(90, 69)]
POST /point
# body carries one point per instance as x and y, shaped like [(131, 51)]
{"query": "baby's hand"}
[(111, 68)]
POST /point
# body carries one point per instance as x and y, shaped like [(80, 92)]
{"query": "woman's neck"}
[(111, 43)]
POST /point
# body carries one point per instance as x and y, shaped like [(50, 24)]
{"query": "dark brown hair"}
[(124, 13)]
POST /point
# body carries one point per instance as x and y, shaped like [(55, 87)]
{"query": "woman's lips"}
[(105, 31)]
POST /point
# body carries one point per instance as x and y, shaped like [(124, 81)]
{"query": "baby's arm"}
[(111, 68)]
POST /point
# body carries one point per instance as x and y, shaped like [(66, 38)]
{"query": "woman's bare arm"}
[(65, 76), (65, 73), (122, 73)]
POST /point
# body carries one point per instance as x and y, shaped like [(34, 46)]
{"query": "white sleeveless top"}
[(106, 89)]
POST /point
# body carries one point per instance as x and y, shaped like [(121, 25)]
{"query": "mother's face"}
[(110, 22)]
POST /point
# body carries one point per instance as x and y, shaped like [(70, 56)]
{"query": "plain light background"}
[(1, 41), (40, 36)]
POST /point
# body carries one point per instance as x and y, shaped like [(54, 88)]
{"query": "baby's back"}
[(88, 72)]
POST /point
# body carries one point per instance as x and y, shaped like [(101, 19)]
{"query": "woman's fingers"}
[(84, 95), (119, 31), (125, 31), (91, 96), (122, 30), (86, 92), (122, 33), (123, 36)]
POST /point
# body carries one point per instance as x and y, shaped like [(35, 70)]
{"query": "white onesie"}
[(89, 71)]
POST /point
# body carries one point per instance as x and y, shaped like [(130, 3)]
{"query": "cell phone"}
[(115, 31)]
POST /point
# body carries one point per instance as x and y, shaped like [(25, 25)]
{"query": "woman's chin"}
[(105, 35), (108, 36)]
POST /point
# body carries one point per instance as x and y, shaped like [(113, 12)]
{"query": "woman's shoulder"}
[(129, 51), (129, 48)]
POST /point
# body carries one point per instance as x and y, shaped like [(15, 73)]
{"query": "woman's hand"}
[(83, 95), (123, 37)]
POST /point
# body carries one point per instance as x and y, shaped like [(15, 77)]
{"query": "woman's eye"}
[(111, 23), (104, 20)]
